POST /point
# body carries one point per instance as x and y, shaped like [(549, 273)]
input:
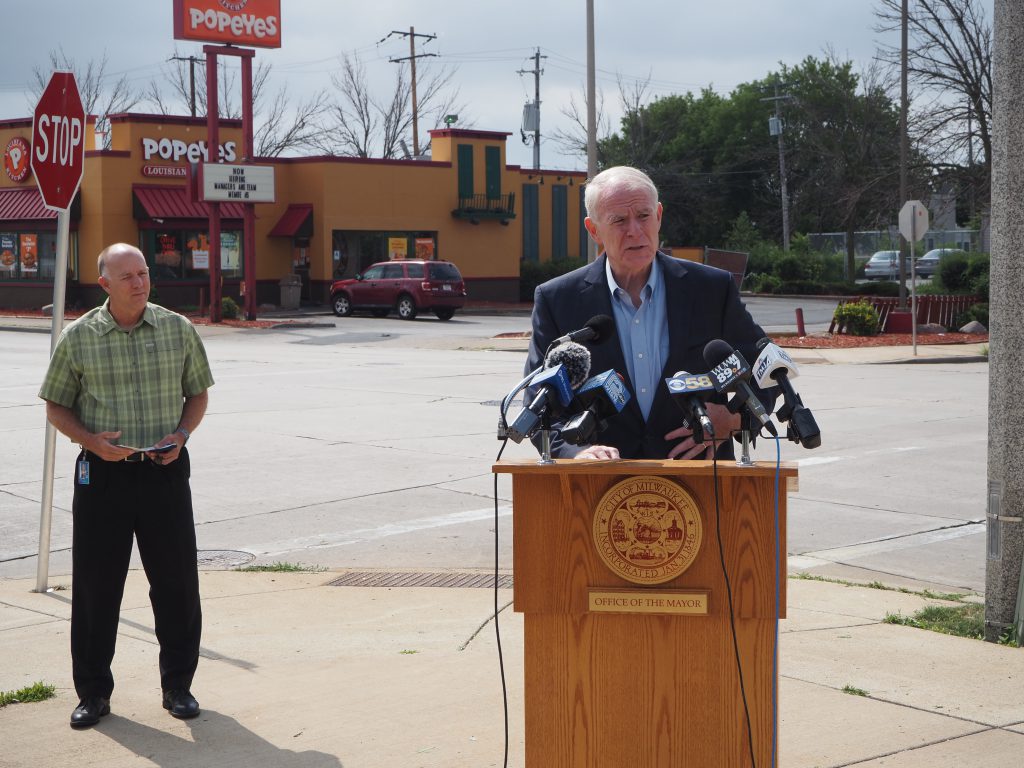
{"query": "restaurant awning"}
[(296, 221), (26, 204), (152, 201)]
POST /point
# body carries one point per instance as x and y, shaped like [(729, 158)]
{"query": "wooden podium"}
[(646, 685)]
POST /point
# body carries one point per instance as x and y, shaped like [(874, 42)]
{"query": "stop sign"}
[(58, 141)]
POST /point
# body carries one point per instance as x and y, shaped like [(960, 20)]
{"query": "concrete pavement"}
[(297, 673)]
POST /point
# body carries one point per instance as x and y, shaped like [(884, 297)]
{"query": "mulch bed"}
[(846, 341)]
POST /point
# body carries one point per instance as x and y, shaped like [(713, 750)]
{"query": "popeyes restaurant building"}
[(331, 217)]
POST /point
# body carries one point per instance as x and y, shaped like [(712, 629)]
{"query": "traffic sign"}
[(58, 141), (913, 220)]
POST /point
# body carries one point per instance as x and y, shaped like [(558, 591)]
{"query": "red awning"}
[(296, 220), (160, 202), (24, 204)]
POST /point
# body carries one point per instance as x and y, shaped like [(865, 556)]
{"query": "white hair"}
[(619, 176)]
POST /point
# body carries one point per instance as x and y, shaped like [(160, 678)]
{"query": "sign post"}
[(914, 222), (58, 159)]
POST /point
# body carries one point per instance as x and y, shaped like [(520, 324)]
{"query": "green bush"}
[(760, 282), (533, 273), (859, 318), (977, 312), (952, 273), (229, 310)]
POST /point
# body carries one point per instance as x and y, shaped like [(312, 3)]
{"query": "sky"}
[(679, 45)]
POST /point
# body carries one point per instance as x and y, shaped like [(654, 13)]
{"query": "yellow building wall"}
[(347, 194)]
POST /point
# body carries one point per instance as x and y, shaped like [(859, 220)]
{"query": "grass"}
[(951, 596), (408, 652), (965, 620), (853, 691), (962, 620), (35, 692), (282, 568)]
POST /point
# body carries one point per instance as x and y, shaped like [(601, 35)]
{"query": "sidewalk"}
[(299, 674)]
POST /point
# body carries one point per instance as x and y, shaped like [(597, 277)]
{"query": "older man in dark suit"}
[(665, 311)]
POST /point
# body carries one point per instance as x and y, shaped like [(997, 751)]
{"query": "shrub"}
[(977, 312), (533, 273), (952, 273), (859, 318), (760, 282), (229, 310)]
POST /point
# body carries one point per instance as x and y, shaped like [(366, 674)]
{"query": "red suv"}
[(407, 286)]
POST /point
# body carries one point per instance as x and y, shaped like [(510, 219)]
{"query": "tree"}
[(279, 126), (101, 95), (362, 124), (852, 124), (949, 61), (712, 157)]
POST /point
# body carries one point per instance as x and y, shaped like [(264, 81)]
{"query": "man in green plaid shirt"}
[(128, 382)]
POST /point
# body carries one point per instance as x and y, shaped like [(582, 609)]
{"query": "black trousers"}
[(153, 504)]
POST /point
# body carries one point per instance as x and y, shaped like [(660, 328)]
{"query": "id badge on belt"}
[(83, 472)]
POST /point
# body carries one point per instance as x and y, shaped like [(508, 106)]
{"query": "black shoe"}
[(89, 711), (180, 703)]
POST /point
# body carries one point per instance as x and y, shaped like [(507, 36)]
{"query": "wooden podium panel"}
[(645, 690)]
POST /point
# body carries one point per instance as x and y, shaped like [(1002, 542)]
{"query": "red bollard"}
[(800, 330)]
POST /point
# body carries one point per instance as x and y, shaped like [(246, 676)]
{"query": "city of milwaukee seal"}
[(647, 529)]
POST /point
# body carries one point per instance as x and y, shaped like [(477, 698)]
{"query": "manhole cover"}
[(210, 559), (392, 579)]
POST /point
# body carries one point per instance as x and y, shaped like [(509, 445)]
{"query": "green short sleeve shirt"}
[(135, 381)]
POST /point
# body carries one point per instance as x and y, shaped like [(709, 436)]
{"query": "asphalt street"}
[(368, 443)]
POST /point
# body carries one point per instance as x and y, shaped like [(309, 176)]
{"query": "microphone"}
[(729, 373), (689, 393), (774, 367), (597, 329), (601, 397), (565, 367), (576, 359)]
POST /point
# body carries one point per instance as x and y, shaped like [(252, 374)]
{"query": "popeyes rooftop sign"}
[(237, 22)]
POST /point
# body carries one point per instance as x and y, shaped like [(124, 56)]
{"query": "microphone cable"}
[(497, 630), (778, 601), (728, 592)]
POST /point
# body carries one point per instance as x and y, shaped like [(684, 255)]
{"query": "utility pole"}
[(536, 72), (1004, 611), (904, 154), (411, 58), (191, 77), (591, 112), (775, 128)]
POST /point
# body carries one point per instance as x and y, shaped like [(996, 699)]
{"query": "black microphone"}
[(688, 391), (565, 368), (601, 397), (729, 373), (775, 366), (597, 329)]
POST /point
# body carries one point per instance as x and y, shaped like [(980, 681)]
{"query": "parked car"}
[(884, 265), (928, 265), (406, 286)]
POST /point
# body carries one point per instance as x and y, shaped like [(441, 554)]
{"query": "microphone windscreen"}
[(575, 358), (603, 327), (715, 351)]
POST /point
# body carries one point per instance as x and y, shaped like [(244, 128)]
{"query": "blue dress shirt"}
[(643, 334)]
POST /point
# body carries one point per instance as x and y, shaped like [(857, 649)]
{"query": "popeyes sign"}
[(237, 22)]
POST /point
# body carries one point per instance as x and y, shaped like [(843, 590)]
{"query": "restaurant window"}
[(32, 256), (184, 254)]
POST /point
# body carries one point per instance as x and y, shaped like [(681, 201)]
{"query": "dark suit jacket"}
[(703, 304)]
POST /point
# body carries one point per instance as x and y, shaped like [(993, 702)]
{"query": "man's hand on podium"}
[(605, 452)]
